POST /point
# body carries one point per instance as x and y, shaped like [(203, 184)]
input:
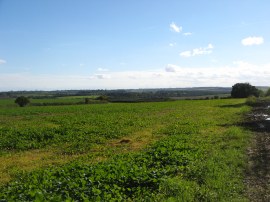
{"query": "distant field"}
[(9, 102), (181, 150)]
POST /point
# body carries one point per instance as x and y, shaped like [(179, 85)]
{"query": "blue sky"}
[(85, 44)]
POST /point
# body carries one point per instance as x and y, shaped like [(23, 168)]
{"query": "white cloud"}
[(171, 68), (187, 33), (198, 51), (170, 76), (2, 61), (27, 81), (172, 44), (186, 54), (102, 69), (239, 71), (157, 75), (250, 41), (175, 28), (210, 46), (102, 76)]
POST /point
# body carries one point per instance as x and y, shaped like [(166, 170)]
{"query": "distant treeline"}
[(50, 94), (162, 95), (136, 94)]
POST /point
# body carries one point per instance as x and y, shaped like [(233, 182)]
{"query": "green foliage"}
[(251, 100), (199, 159), (130, 176), (261, 93), (244, 90), (75, 128), (102, 98), (87, 100), (22, 101), (267, 92)]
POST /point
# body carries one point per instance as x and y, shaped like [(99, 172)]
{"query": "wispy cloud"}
[(198, 51), (186, 54), (250, 41), (175, 28), (172, 44), (102, 76), (171, 68), (2, 61), (187, 33), (102, 69)]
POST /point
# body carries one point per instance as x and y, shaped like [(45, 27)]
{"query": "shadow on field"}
[(232, 106), (257, 126)]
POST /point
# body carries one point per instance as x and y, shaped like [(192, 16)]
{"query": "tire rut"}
[(258, 171)]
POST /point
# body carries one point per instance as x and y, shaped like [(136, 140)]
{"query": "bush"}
[(251, 100), (244, 90), (22, 101), (87, 100)]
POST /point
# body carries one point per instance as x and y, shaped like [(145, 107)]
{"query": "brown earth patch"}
[(258, 171)]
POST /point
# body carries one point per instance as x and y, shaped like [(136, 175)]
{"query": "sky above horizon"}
[(85, 44)]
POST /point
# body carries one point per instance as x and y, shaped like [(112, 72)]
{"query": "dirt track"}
[(258, 171)]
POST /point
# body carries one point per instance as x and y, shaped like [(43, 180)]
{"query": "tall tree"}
[(243, 90)]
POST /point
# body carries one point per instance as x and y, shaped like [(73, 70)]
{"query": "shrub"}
[(251, 100), (22, 101), (87, 100), (244, 90)]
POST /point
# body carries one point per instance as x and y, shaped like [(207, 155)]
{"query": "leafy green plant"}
[(251, 100), (200, 158)]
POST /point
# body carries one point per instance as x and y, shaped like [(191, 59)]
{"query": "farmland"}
[(178, 151)]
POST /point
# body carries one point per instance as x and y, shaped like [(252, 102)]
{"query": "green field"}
[(174, 151)]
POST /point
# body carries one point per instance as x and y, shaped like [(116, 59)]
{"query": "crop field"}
[(165, 151), (67, 100)]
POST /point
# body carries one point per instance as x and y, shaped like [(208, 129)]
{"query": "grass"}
[(179, 151)]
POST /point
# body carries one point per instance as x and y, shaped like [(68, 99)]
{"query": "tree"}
[(244, 90), (22, 101), (267, 92)]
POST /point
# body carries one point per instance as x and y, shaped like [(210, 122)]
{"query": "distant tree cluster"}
[(244, 90)]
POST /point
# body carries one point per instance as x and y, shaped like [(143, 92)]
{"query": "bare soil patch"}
[(258, 171)]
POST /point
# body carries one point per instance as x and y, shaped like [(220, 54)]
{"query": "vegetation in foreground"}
[(199, 157)]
